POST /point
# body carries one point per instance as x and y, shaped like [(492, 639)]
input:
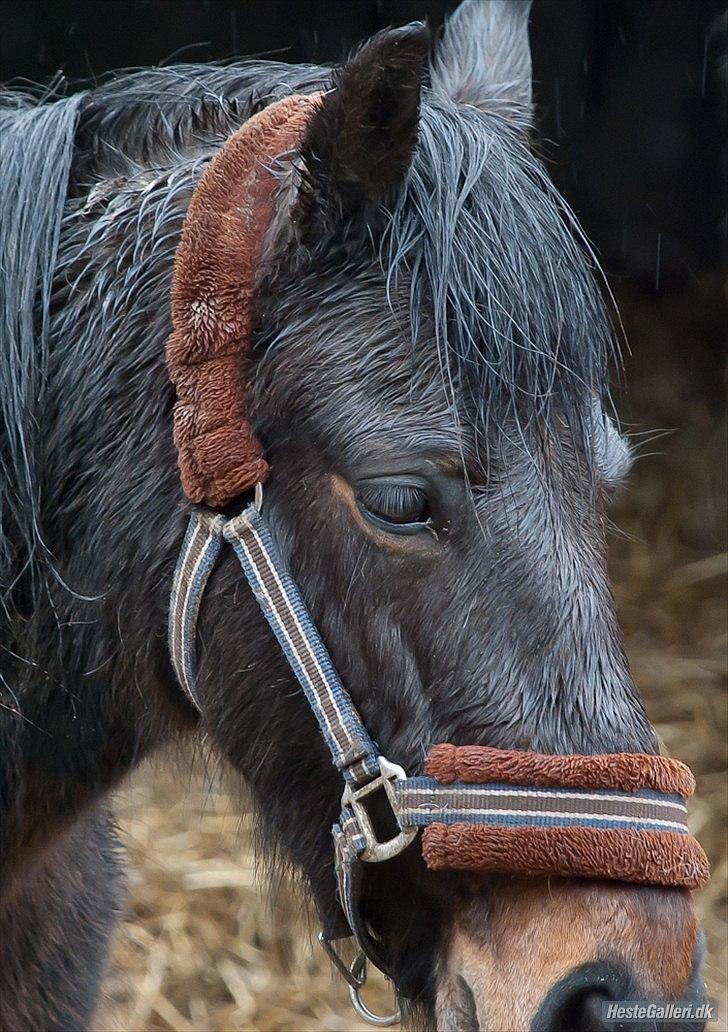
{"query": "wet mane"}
[(154, 116), (140, 133)]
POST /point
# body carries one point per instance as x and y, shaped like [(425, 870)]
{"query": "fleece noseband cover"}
[(620, 816)]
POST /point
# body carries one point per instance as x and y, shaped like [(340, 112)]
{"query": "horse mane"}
[(56, 153), (36, 151), (152, 116)]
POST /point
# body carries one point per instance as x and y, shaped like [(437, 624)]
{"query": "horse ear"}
[(358, 144), (483, 58)]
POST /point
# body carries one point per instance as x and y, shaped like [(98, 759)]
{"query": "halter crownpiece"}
[(620, 817)]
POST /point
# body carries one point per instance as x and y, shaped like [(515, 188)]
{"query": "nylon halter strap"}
[(472, 819), (352, 750)]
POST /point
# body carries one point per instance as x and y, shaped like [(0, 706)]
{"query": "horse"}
[(430, 383)]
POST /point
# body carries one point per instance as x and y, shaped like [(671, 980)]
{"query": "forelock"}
[(493, 252)]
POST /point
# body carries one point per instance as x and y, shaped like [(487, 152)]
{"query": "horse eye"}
[(399, 507)]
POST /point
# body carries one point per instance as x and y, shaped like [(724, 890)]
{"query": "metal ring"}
[(358, 972), (258, 497)]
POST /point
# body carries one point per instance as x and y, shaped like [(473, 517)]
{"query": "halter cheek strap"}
[(352, 750)]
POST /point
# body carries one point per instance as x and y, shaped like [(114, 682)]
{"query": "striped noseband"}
[(621, 817)]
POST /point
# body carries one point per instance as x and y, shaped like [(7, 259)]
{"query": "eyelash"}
[(398, 508)]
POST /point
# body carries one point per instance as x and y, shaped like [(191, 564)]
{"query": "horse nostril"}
[(577, 1002), (468, 1008), (457, 1010), (586, 1010)]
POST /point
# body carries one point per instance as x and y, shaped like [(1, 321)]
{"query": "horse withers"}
[(428, 381)]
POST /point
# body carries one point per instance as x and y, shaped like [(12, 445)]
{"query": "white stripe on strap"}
[(197, 558), (351, 747)]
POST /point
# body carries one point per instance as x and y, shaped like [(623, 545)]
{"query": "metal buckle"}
[(356, 978), (376, 851)]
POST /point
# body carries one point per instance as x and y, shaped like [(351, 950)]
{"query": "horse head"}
[(428, 382), (425, 386)]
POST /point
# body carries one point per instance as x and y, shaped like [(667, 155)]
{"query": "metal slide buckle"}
[(376, 851)]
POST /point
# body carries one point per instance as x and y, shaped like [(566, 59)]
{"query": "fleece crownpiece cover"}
[(212, 290), (620, 816)]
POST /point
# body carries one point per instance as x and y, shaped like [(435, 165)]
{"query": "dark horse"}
[(430, 386)]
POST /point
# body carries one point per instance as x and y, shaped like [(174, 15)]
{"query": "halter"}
[(621, 817)]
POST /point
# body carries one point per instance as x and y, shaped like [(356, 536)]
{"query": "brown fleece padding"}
[(212, 288), (643, 858), (629, 772)]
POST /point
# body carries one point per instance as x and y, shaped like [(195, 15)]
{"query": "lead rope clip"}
[(355, 977)]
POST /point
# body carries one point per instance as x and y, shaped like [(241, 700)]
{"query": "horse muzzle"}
[(553, 954)]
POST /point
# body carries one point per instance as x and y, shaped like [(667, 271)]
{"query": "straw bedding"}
[(200, 948)]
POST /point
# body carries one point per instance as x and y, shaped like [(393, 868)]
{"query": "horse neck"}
[(90, 687), (91, 690)]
